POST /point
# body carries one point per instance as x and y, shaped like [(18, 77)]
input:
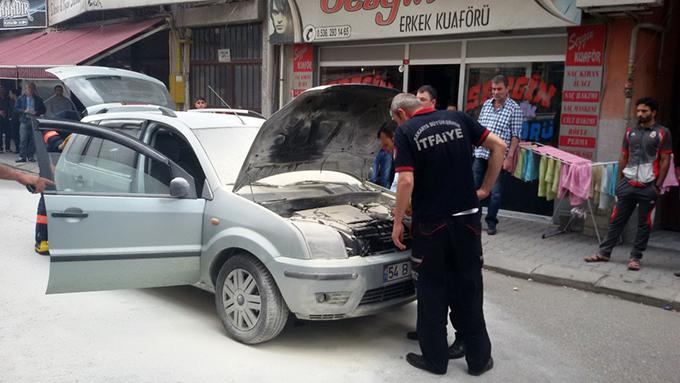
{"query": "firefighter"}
[(434, 162)]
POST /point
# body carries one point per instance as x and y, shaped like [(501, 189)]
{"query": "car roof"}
[(193, 121)]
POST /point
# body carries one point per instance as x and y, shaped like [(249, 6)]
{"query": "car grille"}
[(376, 237), (386, 293)]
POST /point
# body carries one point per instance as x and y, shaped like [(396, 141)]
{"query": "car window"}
[(103, 89), (130, 128), (76, 146), (178, 150), (96, 165)]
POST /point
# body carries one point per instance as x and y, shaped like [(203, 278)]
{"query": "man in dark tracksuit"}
[(643, 165), (434, 160)]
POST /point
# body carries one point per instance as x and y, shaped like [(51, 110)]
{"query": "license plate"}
[(396, 271)]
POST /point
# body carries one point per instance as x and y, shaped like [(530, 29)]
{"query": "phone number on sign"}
[(333, 32)]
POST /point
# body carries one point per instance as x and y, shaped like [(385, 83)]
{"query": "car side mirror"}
[(179, 187)]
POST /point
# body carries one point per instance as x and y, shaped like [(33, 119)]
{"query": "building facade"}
[(552, 51)]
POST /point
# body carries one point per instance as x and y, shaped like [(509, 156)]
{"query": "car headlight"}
[(323, 242)]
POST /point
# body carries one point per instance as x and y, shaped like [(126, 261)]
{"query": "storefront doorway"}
[(444, 78)]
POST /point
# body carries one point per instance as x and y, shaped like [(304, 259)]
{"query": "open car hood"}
[(324, 128), (97, 87)]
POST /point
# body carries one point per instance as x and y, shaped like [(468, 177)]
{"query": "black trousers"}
[(447, 261), (628, 197)]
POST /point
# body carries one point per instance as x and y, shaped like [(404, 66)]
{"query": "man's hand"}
[(507, 163), (398, 235), (482, 194), (38, 183)]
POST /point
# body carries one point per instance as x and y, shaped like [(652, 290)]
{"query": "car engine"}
[(366, 228)]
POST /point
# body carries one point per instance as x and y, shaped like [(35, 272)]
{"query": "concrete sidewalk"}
[(8, 159), (519, 250)]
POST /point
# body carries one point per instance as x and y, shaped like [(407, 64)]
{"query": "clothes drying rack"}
[(567, 227)]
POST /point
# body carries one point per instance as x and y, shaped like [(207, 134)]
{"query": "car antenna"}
[(225, 104)]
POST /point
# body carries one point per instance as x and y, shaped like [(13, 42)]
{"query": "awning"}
[(27, 56)]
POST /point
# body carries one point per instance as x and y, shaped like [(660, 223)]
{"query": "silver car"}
[(272, 216)]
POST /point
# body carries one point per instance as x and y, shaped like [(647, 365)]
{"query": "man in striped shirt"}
[(503, 117)]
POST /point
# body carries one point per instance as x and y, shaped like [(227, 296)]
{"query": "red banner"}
[(303, 67), (582, 89)]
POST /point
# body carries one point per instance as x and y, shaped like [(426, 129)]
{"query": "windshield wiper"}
[(264, 184)]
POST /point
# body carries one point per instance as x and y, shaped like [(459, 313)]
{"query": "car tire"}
[(248, 302)]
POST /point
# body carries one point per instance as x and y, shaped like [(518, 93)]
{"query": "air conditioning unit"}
[(617, 6)]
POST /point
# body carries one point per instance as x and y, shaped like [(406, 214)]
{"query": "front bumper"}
[(354, 286)]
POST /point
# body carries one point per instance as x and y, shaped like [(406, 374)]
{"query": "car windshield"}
[(227, 149)]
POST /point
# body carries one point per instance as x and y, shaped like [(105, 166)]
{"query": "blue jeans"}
[(26, 144), (479, 166)]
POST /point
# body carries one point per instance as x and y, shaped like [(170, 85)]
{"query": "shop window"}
[(384, 76), (536, 87)]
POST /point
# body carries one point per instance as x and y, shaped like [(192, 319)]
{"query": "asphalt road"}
[(540, 333)]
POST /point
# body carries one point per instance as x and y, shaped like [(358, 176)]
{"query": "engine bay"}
[(366, 228)]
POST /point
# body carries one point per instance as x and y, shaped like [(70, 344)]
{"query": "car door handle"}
[(70, 213)]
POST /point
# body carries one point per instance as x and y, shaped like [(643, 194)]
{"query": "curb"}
[(588, 280), (17, 167)]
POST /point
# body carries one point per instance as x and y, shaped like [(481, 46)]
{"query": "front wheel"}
[(248, 302)]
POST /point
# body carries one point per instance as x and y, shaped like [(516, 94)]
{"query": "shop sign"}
[(581, 92), (303, 68), (345, 20), (21, 14), (61, 10), (533, 90)]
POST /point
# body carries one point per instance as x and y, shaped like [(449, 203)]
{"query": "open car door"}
[(120, 214)]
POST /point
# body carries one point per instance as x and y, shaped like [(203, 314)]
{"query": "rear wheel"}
[(248, 302)]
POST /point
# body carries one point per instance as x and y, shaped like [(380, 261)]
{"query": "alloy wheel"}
[(241, 299)]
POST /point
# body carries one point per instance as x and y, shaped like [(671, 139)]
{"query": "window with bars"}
[(237, 78)]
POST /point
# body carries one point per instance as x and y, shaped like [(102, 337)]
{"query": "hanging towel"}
[(605, 200), (532, 167), (613, 179), (555, 181), (542, 169), (519, 169), (596, 184), (548, 178), (575, 180)]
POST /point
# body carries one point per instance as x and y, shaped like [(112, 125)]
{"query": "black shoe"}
[(418, 361), (677, 273), (491, 230), (457, 350), (31, 159), (489, 365), (20, 159), (412, 335)]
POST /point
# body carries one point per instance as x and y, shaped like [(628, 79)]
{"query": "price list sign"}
[(582, 90)]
